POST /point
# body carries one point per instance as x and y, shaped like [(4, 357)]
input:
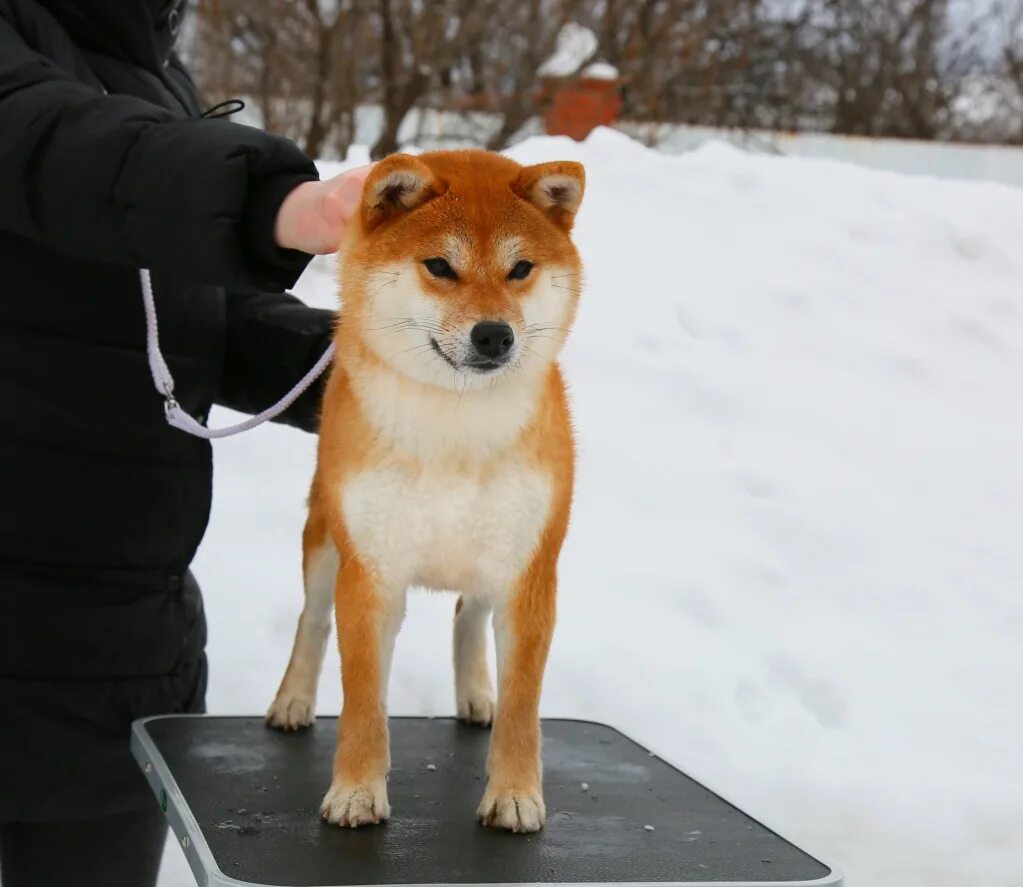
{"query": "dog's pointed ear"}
[(555, 188), (398, 184)]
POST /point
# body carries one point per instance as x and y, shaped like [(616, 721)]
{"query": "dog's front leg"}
[(523, 623), (368, 617)]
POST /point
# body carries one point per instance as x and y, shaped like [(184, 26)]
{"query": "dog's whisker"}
[(527, 350), (461, 394), (392, 326), (409, 350), (382, 286), (410, 323)]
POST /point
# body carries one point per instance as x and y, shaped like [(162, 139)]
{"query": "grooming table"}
[(243, 801)]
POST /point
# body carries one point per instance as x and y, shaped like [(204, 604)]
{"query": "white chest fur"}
[(453, 530)]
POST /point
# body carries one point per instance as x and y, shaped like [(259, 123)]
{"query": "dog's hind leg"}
[(295, 703), (474, 694)]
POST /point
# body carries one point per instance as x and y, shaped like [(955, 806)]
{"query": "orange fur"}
[(432, 474)]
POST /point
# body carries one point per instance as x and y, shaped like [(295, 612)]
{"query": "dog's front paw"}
[(354, 805), (476, 706), (515, 811), (290, 712)]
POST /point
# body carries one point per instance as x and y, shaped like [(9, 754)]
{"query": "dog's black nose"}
[(492, 340)]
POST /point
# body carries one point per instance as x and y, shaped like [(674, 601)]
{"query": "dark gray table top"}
[(254, 794)]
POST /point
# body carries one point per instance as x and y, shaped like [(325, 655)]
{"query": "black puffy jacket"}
[(106, 166)]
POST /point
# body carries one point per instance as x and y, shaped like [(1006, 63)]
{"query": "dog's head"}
[(461, 270)]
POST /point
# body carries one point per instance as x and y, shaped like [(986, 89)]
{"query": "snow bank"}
[(794, 565)]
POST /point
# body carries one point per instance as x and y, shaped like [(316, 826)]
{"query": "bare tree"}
[(903, 68), (1010, 72), (420, 45), (682, 60), (298, 60), (510, 59)]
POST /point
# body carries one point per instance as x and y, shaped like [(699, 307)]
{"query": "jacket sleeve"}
[(113, 178), (273, 339)]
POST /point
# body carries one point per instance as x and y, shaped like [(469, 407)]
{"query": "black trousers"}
[(116, 851)]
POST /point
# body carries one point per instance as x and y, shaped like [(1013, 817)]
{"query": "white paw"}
[(290, 712), (523, 812), (354, 805), (476, 706)]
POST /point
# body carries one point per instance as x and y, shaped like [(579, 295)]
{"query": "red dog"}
[(445, 459)]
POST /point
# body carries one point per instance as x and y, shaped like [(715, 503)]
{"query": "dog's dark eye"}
[(521, 270), (439, 267)]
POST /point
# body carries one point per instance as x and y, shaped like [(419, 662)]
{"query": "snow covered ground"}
[(795, 564)]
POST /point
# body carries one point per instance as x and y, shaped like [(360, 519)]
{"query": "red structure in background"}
[(581, 105)]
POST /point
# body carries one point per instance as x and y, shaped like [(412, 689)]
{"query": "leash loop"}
[(163, 381)]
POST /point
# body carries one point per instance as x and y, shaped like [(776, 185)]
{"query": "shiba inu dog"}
[(445, 460)]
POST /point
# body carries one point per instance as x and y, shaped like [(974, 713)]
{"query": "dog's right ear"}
[(398, 184)]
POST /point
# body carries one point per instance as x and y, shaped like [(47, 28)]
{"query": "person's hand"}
[(315, 216)]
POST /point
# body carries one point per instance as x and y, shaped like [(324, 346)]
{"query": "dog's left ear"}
[(398, 184), (555, 188)]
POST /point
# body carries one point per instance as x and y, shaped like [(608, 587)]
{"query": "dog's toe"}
[(290, 713), (353, 805), (477, 707), (517, 812)]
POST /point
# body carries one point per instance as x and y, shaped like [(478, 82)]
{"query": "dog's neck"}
[(425, 422)]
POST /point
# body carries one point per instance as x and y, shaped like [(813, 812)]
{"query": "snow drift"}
[(796, 386)]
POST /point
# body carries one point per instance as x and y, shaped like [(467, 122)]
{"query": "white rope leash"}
[(164, 381)]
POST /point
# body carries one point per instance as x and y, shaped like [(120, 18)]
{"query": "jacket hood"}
[(142, 32)]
